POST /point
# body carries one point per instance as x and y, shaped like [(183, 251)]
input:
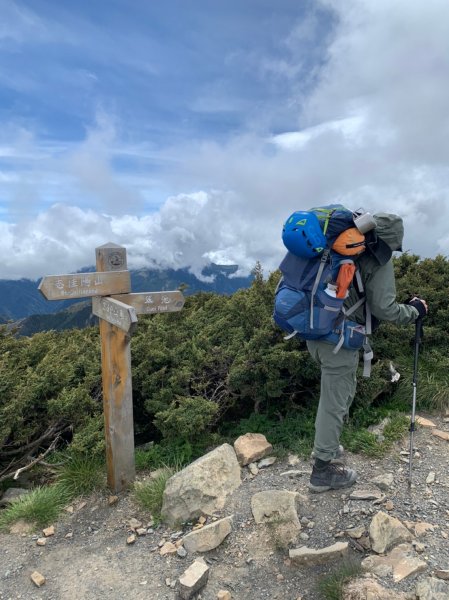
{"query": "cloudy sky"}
[(189, 131)]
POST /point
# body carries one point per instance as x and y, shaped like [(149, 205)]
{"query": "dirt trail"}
[(95, 562)]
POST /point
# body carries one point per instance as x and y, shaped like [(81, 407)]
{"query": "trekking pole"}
[(418, 335)]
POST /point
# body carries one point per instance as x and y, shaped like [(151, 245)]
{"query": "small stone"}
[(41, 541), (442, 574), (293, 460), (384, 481), (131, 539), (201, 520), (422, 528), (304, 536), (141, 531), (444, 535), (37, 578), (310, 556), (168, 548), (193, 579), (49, 531), (356, 532), (444, 435), (419, 547), (424, 422), (430, 478), (112, 500), (389, 505), (365, 495), (134, 524), (69, 509), (253, 469), (266, 462), (279, 577), (224, 595), (69, 535), (81, 505), (181, 552)]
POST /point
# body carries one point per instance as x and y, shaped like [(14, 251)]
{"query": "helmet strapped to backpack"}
[(305, 304)]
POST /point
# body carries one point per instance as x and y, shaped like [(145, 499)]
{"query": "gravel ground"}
[(95, 562)]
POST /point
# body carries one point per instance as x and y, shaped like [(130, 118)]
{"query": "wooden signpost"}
[(117, 308)]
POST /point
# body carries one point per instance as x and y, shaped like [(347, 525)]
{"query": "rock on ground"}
[(432, 589), (209, 537), (369, 589), (193, 579), (202, 487), (277, 508), (310, 556), (386, 531), (401, 561), (251, 447)]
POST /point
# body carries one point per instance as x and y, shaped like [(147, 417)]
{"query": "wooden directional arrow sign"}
[(80, 285), (147, 303), (115, 312)]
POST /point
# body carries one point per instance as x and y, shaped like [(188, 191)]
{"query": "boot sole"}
[(325, 488)]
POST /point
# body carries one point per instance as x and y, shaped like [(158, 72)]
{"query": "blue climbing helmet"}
[(307, 233), (302, 234)]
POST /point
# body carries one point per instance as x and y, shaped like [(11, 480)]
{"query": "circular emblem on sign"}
[(115, 259)]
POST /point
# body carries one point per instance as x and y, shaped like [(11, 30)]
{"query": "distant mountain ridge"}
[(20, 299)]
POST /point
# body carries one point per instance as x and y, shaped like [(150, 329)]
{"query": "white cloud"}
[(373, 133)]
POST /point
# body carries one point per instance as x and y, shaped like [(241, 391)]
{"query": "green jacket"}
[(379, 281)]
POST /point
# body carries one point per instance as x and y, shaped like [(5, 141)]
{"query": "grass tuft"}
[(149, 493), (40, 506), (81, 475), (331, 586)]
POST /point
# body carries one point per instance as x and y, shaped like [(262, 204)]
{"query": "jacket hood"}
[(390, 229)]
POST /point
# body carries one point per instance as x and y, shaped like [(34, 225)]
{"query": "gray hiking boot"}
[(331, 477), (339, 456)]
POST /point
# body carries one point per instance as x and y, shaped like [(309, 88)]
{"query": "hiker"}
[(373, 258)]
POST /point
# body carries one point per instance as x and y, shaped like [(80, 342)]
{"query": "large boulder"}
[(202, 487)]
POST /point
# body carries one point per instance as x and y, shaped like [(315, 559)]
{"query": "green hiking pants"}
[(338, 386)]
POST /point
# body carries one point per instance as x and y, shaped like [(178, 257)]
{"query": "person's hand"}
[(420, 305)]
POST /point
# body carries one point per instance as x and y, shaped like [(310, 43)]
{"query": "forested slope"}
[(199, 372)]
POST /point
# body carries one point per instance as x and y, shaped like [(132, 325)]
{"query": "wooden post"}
[(117, 384), (110, 287)]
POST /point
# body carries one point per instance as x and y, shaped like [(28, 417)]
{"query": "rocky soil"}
[(103, 549)]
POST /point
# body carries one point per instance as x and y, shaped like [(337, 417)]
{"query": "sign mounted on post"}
[(117, 309), (115, 312), (82, 285), (147, 303)]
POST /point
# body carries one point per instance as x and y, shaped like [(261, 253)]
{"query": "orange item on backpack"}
[(344, 279)]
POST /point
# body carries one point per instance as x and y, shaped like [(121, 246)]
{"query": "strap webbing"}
[(323, 262), (367, 358)]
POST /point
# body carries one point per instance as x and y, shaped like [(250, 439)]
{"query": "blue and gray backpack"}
[(303, 308)]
